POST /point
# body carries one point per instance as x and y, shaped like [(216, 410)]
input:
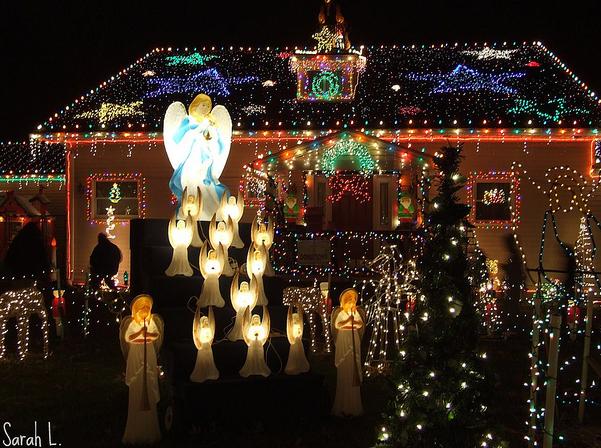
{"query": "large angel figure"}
[(256, 260), (348, 326), (180, 236), (256, 333), (198, 145), (203, 332), (263, 234), (233, 208), (141, 336), (192, 206), (222, 233), (242, 297), (211, 263), (297, 361)]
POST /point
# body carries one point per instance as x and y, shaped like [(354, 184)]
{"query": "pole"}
[(536, 318), (586, 355), (551, 380)]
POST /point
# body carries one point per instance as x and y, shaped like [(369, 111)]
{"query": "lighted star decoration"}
[(189, 59), (108, 112), (553, 110), (490, 53), (465, 79), (209, 81), (326, 40)]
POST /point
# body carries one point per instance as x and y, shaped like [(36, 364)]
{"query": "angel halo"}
[(198, 145)]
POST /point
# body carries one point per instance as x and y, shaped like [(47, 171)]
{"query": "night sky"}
[(53, 54)]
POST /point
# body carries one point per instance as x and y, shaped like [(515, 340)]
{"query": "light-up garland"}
[(114, 177), (524, 106), (358, 151), (514, 200), (357, 185), (189, 59), (107, 112), (21, 304)]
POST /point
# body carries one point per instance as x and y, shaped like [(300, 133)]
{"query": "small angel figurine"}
[(222, 233), (203, 332), (348, 327), (192, 206), (255, 266), (141, 336), (211, 266), (180, 237), (233, 208), (256, 333), (242, 297), (198, 144), (263, 234), (297, 361)]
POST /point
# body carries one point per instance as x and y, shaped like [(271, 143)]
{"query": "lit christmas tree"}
[(441, 389), (115, 193)]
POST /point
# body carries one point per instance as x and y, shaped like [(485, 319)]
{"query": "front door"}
[(352, 206)]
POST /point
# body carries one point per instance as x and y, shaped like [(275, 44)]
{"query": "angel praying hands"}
[(198, 145)]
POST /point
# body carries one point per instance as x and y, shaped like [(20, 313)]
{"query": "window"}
[(321, 193), (493, 200), (125, 193), (384, 204)]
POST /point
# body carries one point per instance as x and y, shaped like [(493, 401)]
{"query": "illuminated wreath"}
[(325, 85)]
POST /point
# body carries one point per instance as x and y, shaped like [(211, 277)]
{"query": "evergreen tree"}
[(440, 385)]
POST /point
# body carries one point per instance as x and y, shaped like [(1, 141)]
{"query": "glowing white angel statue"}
[(263, 234), (297, 361), (192, 206), (256, 332), (348, 326), (222, 233), (233, 208), (203, 332), (180, 236), (211, 266), (255, 266), (198, 145), (242, 297), (141, 336)]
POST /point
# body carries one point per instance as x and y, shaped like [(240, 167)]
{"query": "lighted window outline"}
[(503, 177), (91, 212)]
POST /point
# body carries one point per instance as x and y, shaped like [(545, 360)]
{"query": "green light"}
[(351, 148), (16, 179), (326, 85)]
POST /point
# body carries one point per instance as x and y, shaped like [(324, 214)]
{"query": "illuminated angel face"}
[(231, 208), (205, 334), (200, 107), (296, 325), (191, 207), (245, 295), (223, 234), (258, 264), (181, 224), (256, 330), (263, 236), (212, 263)]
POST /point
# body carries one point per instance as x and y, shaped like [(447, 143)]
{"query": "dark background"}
[(54, 51)]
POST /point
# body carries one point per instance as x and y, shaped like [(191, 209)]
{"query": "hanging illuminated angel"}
[(222, 233), (198, 145), (180, 236), (255, 265), (348, 327), (141, 336), (211, 263), (297, 361), (256, 332), (242, 297), (203, 332), (263, 234), (233, 208), (192, 206)]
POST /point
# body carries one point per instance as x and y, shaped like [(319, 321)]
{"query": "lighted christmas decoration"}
[(192, 207), (59, 311), (256, 264), (221, 235), (203, 331), (198, 145), (348, 326), (141, 337), (440, 398), (465, 79), (551, 110), (180, 236), (406, 210), (291, 208), (110, 222), (485, 191), (347, 148), (242, 297), (326, 40), (115, 193), (395, 289), (326, 85), (211, 263), (21, 304), (262, 234), (109, 112), (233, 208), (256, 331), (189, 59), (491, 53), (314, 305), (254, 109), (297, 361), (494, 196), (92, 214), (596, 157), (356, 185)]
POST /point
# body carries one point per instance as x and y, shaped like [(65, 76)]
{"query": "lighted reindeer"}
[(22, 304), (313, 301)]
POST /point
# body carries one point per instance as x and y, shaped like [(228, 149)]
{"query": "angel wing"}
[(221, 257), (333, 318), (253, 289), (290, 326), (223, 202), (123, 326), (212, 323), (254, 229), (170, 231), (299, 311), (270, 230), (158, 342), (176, 112), (212, 230), (266, 322), (204, 255), (240, 203), (245, 325), (196, 328), (223, 123), (234, 291)]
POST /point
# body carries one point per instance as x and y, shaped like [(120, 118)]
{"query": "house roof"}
[(452, 85), (31, 158)]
